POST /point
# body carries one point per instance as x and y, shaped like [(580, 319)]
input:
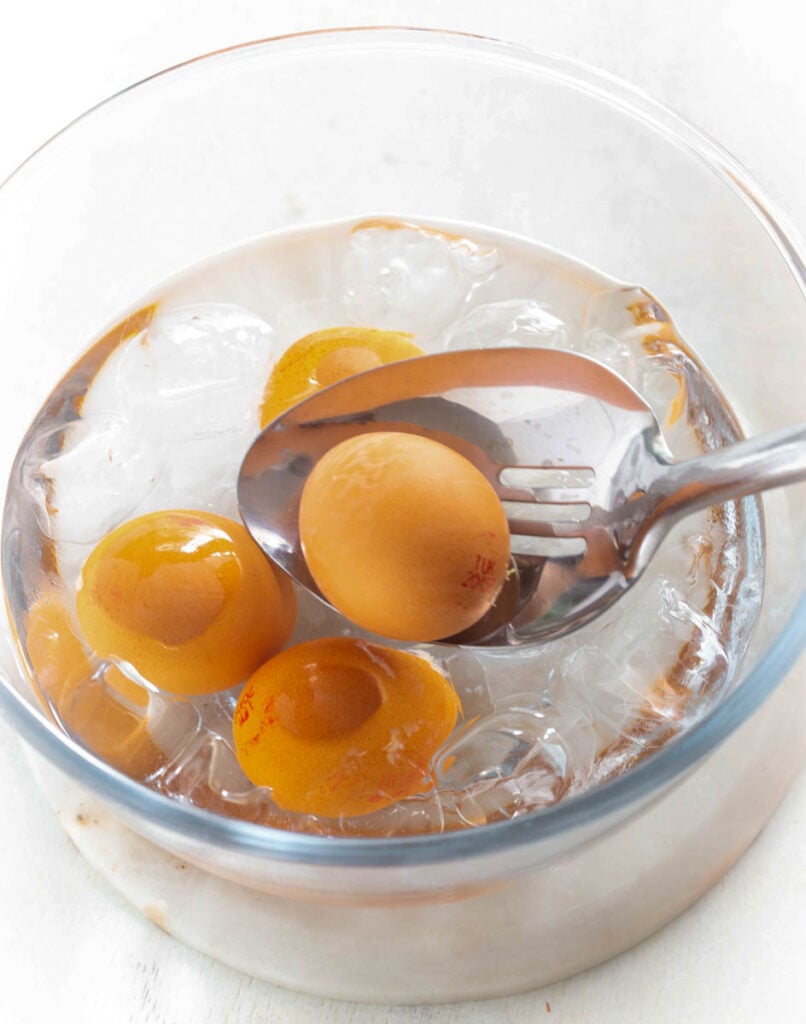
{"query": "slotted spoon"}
[(575, 454)]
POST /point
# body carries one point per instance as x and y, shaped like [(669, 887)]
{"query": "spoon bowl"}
[(534, 421), (574, 453)]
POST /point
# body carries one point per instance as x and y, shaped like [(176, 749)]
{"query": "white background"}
[(71, 950)]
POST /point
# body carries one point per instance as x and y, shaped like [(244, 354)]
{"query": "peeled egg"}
[(403, 535), (324, 357), (339, 726), (185, 597)]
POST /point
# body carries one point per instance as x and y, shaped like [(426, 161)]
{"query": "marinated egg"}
[(324, 357), (185, 597), (343, 727), (403, 535)]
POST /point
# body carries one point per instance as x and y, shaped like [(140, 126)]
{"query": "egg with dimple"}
[(328, 356), (403, 535), (338, 726), (187, 598)]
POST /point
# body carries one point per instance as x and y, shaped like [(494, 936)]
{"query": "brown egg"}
[(341, 726), (324, 357), (187, 598), (404, 536)]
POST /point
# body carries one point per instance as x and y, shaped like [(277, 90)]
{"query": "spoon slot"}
[(547, 511), (548, 547), (565, 478)]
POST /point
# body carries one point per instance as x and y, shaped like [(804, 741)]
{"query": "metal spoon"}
[(575, 454)]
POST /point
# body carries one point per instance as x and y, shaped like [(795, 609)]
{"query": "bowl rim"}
[(647, 779)]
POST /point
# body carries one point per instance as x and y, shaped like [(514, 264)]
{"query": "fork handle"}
[(747, 467), (769, 460)]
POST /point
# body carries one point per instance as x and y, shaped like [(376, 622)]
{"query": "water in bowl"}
[(158, 413)]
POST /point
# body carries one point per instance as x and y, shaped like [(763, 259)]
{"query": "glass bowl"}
[(327, 126)]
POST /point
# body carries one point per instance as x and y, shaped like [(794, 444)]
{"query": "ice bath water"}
[(159, 412)]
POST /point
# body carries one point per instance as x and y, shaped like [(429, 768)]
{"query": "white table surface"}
[(71, 950)]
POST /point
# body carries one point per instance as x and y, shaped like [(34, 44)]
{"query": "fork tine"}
[(514, 493)]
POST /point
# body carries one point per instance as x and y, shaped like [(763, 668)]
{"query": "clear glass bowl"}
[(324, 126)]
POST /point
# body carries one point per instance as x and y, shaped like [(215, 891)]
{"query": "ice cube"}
[(468, 674), (629, 331), (706, 665), (174, 723), (125, 382), (211, 364), (109, 722), (181, 395), (599, 686), (612, 351), (104, 469), (210, 770), (411, 278), (624, 312), (516, 322), (186, 391), (523, 755)]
